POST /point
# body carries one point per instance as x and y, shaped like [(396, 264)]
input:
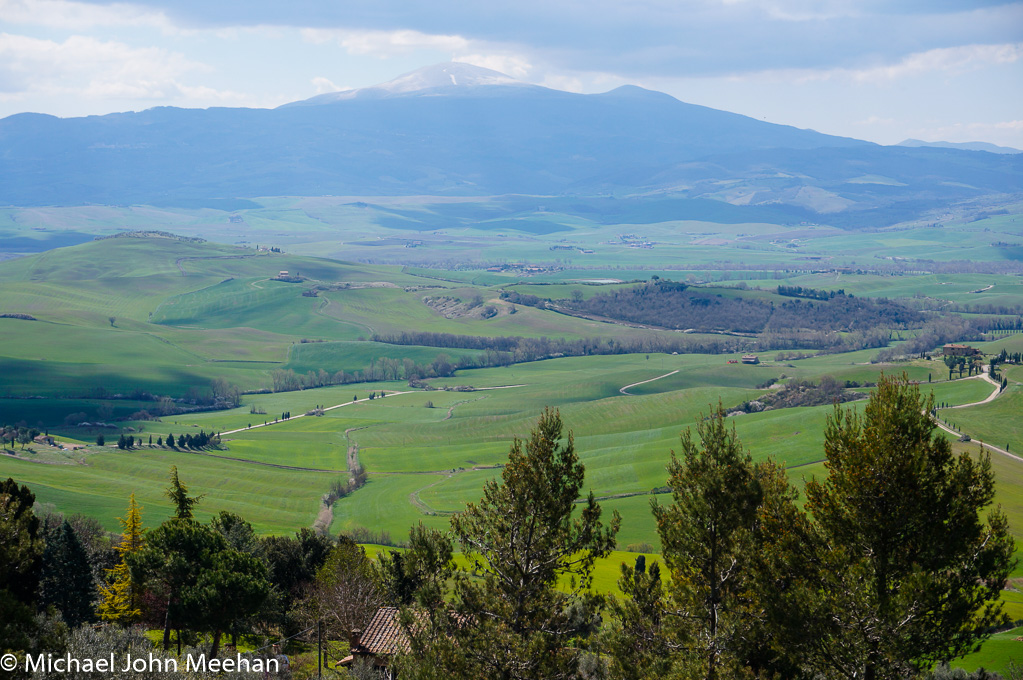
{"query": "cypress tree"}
[(66, 581), (178, 493)]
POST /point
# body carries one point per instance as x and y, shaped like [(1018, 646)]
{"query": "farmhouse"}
[(283, 274), (959, 350), (382, 639), (750, 359)]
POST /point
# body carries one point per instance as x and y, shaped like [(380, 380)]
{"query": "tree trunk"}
[(166, 627), (216, 644)]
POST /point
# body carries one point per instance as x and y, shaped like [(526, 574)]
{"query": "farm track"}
[(303, 415), (625, 389), (352, 457), (991, 397), (421, 506), (451, 409), (983, 376)]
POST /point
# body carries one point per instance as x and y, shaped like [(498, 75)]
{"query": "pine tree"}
[(710, 535), (119, 602), (910, 572), (525, 536)]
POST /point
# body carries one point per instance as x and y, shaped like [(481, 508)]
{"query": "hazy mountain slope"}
[(966, 146), (458, 129)]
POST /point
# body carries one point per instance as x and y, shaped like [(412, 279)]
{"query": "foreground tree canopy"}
[(892, 566)]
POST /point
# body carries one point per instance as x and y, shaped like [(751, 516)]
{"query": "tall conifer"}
[(119, 601)]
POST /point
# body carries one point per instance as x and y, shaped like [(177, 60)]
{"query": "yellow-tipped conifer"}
[(120, 601)]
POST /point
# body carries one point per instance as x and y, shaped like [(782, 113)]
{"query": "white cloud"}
[(86, 67), (875, 120), (566, 83), (953, 60), (324, 85), (385, 43), (948, 60), (79, 16), (508, 64)]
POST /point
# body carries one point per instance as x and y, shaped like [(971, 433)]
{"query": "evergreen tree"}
[(21, 545), (512, 620), (177, 492), (709, 537), (120, 601), (66, 580), (20, 552), (170, 562), (101, 440), (910, 574), (232, 588), (416, 575), (636, 642)]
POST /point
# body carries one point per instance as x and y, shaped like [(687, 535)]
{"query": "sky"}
[(885, 71)]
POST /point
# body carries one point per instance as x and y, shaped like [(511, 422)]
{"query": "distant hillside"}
[(965, 146), (455, 129)]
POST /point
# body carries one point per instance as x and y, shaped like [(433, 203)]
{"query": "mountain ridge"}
[(479, 133)]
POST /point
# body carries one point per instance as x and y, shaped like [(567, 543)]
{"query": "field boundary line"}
[(260, 462)]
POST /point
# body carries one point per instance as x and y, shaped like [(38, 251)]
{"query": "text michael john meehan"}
[(122, 664)]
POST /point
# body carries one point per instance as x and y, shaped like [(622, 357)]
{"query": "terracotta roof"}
[(383, 635)]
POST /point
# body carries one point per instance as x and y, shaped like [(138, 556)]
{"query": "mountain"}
[(966, 146), (457, 129)]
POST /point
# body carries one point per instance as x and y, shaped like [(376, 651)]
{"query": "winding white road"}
[(624, 390)]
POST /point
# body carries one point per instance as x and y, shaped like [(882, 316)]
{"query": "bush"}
[(639, 548)]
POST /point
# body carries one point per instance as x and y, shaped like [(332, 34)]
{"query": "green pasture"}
[(356, 356), (427, 462), (46, 414), (273, 500), (997, 654), (997, 423)]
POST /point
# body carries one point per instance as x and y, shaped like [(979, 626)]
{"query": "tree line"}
[(807, 292)]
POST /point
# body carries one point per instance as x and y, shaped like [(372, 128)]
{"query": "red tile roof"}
[(383, 635)]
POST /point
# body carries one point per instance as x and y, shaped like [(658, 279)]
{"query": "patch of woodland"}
[(803, 393)]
